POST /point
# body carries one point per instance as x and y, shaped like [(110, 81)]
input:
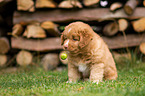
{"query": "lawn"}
[(131, 82)]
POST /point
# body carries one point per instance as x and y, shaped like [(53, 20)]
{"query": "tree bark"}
[(51, 44), (85, 14)]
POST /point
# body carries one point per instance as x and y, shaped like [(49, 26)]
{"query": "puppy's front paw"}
[(69, 82), (96, 81)]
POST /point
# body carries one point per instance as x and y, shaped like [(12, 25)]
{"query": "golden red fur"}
[(88, 54)]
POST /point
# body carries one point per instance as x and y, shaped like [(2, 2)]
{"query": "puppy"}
[(88, 54)]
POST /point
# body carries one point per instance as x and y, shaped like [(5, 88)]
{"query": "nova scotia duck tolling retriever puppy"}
[(88, 55)]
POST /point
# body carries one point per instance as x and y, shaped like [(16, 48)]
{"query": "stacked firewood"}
[(32, 6), (33, 37), (6, 9), (37, 26)]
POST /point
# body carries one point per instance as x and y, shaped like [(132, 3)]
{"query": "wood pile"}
[(37, 26), (5, 27)]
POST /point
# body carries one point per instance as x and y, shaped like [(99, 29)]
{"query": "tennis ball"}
[(63, 56)]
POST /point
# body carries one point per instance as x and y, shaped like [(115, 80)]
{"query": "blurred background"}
[(30, 30)]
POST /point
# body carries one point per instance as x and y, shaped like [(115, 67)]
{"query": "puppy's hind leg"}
[(96, 72)]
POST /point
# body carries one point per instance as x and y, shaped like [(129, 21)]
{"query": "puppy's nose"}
[(66, 44)]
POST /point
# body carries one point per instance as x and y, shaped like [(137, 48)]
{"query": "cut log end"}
[(45, 4), (111, 29), (3, 60), (144, 3), (70, 4), (50, 61), (142, 48), (4, 45), (130, 6), (123, 24), (128, 10), (51, 28), (24, 58), (90, 2), (17, 30), (34, 31), (115, 6), (25, 5), (139, 25)]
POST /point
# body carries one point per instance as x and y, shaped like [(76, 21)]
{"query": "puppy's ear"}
[(85, 38), (62, 39)]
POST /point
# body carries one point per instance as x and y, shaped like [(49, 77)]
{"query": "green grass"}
[(131, 82)]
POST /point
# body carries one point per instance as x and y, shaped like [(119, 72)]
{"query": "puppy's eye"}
[(76, 38)]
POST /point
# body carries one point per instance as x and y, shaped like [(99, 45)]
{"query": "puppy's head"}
[(76, 36)]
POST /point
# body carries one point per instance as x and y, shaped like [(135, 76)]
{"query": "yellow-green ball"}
[(63, 56)]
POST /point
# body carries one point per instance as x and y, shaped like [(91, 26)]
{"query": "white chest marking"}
[(82, 67)]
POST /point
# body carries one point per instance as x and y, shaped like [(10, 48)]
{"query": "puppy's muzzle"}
[(65, 45)]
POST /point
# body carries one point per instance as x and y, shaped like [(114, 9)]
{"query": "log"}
[(65, 62), (70, 4), (17, 30), (51, 44), (139, 25), (50, 61), (90, 2), (45, 4), (130, 6), (4, 45), (111, 29), (25, 5), (142, 48), (85, 14), (34, 31), (3, 60), (51, 28), (115, 6), (123, 24), (24, 58), (33, 22)]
